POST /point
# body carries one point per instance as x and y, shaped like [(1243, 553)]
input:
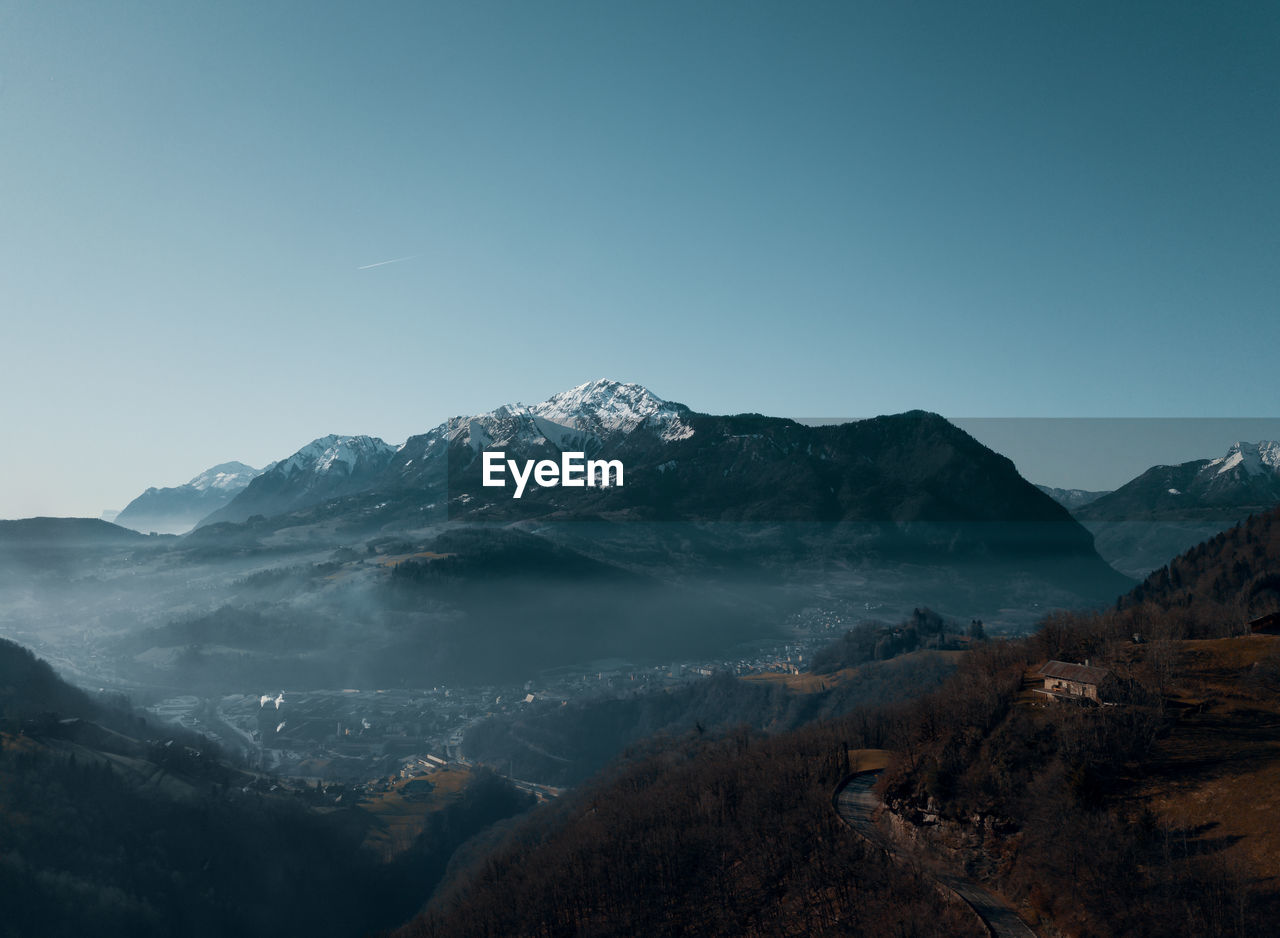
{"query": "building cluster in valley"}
[(366, 737)]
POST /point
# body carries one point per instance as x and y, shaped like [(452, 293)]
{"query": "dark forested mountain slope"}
[(115, 826), (28, 686), (1219, 584)]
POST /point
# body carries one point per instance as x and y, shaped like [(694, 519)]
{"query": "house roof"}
[(1080, 673)]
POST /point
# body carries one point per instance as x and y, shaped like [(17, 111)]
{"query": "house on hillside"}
[(1066, 681), (1266, 625)]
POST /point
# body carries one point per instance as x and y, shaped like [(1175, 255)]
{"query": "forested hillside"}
[(1130, 818), (735, 837), (1215, 586), (113, 826), (1126, 818)]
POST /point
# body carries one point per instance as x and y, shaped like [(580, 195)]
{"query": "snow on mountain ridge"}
[(576, 419), (603, 406), (322, 454), (1252, 458), (225, 477), (176, 509), (512, 424)]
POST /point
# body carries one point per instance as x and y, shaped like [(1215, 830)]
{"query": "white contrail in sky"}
[(394, 260)]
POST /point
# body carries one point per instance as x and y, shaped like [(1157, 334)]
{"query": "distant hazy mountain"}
[(178, 509), (1071, 499), (325, 468), (1169, 509), (65, 532), (58, 551)]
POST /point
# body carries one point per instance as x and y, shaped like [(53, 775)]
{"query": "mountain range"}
[(897, 484), (896, 472), (329, 467), (1168, 509), (912, 469), (1247, 477), (907, 487), (681, 465), (356, 562)]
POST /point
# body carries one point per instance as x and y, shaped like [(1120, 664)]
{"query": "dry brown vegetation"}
[(1216, 775), (1051, 802), (1146, 816), (869, 760), (397, 820)]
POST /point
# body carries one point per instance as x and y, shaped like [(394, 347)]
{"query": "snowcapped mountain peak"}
[(225, 477), (177, 509), (324, 454), (603, 407), (581, 418), (328, 467), (1258, 458)]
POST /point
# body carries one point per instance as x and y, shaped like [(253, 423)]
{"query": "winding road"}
[(857, 804)]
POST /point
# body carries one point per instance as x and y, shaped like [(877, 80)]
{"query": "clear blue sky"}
[(1014, 209)]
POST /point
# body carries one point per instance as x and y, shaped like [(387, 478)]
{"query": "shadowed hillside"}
[(114, 826)]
